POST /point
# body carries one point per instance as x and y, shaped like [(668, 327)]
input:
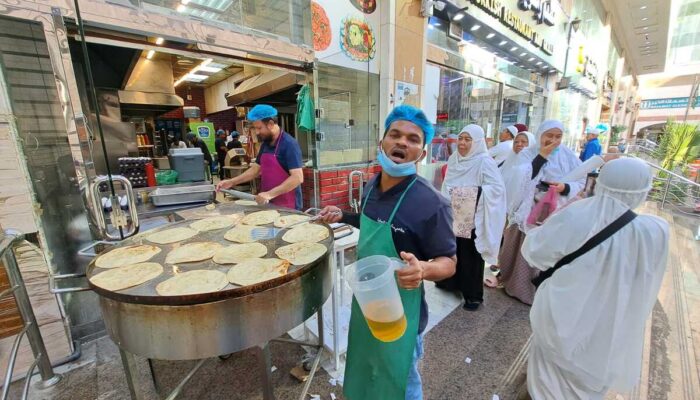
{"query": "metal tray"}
[(182, 195)]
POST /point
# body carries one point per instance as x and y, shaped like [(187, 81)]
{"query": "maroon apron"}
[(272, 175)]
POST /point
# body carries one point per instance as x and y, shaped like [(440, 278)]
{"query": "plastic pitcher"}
[(375, 288)]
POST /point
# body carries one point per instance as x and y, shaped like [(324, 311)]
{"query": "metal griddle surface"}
[(146, 293)]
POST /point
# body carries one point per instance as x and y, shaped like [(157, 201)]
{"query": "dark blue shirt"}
[(422, 224), (289, 157), (592, 148)]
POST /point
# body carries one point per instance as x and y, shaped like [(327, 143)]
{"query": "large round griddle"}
[(209, 324), (146, 293)]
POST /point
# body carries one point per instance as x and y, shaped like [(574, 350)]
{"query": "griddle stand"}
[(137, 392)]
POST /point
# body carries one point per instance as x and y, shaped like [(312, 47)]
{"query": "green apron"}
[(375, 369)]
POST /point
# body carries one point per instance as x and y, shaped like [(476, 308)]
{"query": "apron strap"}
[(396, 207), (279, 139)]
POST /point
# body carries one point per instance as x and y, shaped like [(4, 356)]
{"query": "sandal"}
[(491, 281)]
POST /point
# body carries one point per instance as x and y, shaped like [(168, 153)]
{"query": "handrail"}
[(31, 327)]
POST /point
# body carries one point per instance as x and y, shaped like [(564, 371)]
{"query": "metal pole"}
[(48, 377), (691, 98), (668, 184), (265, 364)]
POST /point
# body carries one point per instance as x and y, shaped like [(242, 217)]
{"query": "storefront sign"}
[(512, 20), (586, 66), (542, 8), (673, 102)]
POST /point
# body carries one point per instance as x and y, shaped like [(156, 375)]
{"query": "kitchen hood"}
[(150, 86), (271, 87)]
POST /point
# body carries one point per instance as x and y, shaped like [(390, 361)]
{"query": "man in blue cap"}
[(592, 147), (402, 216), (278, 163)]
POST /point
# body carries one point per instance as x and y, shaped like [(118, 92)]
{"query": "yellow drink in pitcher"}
[(383, 322)]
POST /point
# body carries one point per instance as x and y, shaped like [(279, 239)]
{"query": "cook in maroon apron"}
[(272, 175)]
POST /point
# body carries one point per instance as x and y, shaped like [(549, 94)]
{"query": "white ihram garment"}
[(588, 319), (477, 169)]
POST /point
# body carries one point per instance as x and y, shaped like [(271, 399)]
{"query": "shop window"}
[(348, 129)]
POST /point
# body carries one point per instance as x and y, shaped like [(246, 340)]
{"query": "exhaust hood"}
[(150, 86), (272, 87)]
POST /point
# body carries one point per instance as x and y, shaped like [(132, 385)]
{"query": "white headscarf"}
[(478, 169), (513, 174), (559, 163), (588, 319)]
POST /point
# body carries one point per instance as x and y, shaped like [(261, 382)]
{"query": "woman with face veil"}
[(475, 188), (536, 169)]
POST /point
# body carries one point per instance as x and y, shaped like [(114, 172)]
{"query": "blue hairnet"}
[(411, 114), (235, 134), (602, 127), (220, 132), (261, 111)]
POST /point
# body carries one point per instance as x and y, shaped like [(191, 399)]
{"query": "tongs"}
[(270, 232)]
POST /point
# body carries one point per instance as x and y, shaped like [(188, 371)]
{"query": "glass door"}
[(516, 107)]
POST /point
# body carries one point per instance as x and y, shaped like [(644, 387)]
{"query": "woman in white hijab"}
[(475, 188), (535, 169), (588, 318)]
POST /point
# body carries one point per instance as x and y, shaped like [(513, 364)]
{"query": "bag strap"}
[(594, 241)]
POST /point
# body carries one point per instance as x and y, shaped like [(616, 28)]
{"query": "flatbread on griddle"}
[(306, 233), (246, 202), (260, 217), (237, 253), (172, 235), (286, 220), (191, 252), (128, 276), (256, 270), (240, 233), (215, 223), (127, 255), (301, 253), (193, 282)]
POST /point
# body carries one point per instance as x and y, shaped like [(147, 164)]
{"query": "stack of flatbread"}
[(192, 252), (256, 270), (126, 255), (192, 282), (306, 233), (172, 235), (125, 277), (237, 253), (301, 253), (260, 217)]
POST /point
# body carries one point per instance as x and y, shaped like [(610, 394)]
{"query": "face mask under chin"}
[(394, 169)]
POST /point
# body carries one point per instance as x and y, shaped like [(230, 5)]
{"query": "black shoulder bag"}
[(597, 239)]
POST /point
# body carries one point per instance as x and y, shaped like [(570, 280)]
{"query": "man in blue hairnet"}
[(278, 163), (403, 217)]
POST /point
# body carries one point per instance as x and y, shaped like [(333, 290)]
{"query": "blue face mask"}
[(555, 151), (394, 169)]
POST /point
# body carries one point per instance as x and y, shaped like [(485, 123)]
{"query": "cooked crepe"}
[(256, 270), (241, 234), (246, 202), (191, 252), (291, 219), (127, 255), (237, 253), (128, 276), (306, 233), (193, 282), (260, 217), (301, 253), (172, 235), (215, 223)]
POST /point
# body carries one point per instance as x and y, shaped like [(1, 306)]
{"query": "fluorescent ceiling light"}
[(538, 63), (150, 54), (645, 18), (643, 7), (646, 27), (159, 41), (181, 8), (475, 28), (458, 16), (490, 35), (531, 58), (523, 54), (514, 48), (210, 69), (503, 42)]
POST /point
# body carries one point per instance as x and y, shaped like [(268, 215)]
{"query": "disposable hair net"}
[(625, 179), (261, 111), (411, 114)]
